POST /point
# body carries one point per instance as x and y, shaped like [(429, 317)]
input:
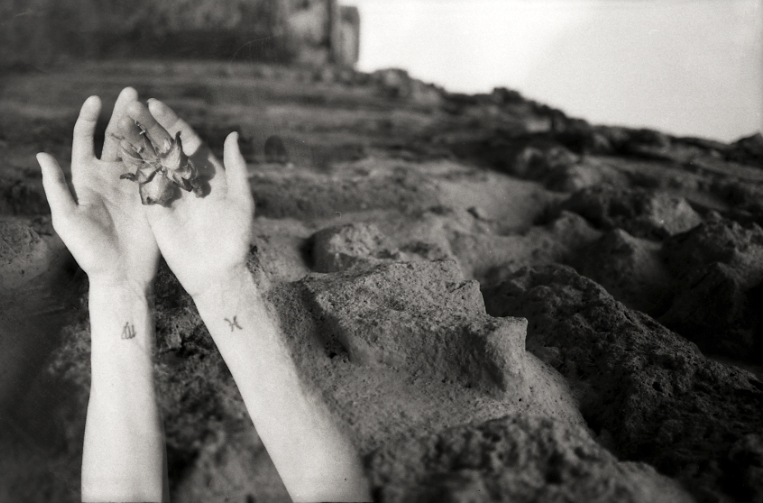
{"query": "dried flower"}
[(160, 169)]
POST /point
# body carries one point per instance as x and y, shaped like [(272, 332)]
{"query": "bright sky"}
[(689, 67)]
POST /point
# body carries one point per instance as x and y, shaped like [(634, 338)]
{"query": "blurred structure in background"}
[(41, 32), (688, 67)]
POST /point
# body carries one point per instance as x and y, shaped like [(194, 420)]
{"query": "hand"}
[(205, 240), (105, 228)]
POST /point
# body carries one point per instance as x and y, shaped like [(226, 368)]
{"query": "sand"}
[(498, 302)]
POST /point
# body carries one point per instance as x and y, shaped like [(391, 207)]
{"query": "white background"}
[(688, 67)]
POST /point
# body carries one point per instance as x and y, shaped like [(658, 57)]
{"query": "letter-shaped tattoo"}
[(128, 332), (233, 324)]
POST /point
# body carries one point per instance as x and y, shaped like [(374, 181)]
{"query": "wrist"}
[(225, 285), (227, 293), (110, 285), (121, 312)]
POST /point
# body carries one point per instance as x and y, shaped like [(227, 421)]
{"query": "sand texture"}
[(498, 302)]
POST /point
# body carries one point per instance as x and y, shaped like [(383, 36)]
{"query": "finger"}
[(111, 141), (84, 129), (158, 135), (132, 134), (172, 123), (235, 170), (54, 183)]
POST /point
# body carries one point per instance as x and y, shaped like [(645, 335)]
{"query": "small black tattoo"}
[(128, 332), (233, 324)]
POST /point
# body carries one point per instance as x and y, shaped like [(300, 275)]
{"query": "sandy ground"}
[(392, 189)]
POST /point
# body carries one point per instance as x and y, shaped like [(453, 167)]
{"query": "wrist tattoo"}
[(233, 324), (128, 332)]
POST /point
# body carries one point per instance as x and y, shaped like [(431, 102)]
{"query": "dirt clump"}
[(21, 197), (24, 253), (641, 212), (394, 346), (489, 257), (717, 240), (365, 315), (512, 459), (630, 268), (339, 248), (718, 264), (650, 395)]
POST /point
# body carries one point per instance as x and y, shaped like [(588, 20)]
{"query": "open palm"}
[(203, 239), (105, 228)]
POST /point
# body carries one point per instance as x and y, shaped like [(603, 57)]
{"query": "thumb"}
[(235, 170), (54, 183)]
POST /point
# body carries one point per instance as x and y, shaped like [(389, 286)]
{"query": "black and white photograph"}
[(400, 251)]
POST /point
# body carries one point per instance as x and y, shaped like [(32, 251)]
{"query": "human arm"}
[(123, 457), (314, 457), (205, 241), (106, 231)]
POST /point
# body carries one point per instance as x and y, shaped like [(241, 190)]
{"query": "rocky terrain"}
[(498, 301)]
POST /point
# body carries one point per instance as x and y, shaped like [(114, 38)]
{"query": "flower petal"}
[(160, 190)]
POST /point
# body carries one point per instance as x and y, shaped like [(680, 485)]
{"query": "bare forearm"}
[(123, 458), (315, 459)]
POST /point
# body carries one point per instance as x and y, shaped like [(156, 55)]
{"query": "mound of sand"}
[(498, 302)]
